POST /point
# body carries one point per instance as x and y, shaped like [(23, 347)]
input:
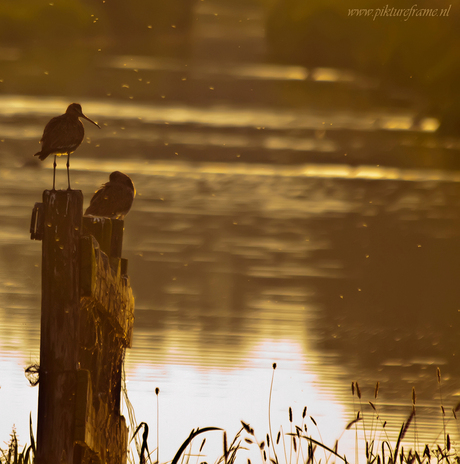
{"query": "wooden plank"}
[(59, 323), (117, 238), (101, 229), (105, 286), (36, 222), (88, 270), (84, 412)]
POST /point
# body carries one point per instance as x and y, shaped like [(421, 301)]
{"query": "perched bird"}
[(114, 198), (63, 135)]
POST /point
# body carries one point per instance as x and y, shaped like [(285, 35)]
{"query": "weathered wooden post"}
[(86, 324)]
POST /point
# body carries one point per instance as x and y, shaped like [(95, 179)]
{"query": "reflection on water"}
[(335, 272), (227, 116), (238, 70)]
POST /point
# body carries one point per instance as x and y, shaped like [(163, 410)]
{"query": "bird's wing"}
[(124, 199), (112, 200), (99, 201), (62, 133)]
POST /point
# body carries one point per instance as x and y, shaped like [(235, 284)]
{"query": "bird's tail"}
[(41, 155)]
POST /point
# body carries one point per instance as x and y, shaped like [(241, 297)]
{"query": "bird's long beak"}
[(90, 120)]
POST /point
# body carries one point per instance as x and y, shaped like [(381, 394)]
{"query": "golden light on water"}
[(276, 320), (216, 116), (396, 123), (430, 124), (332, 75), (242, 394), (262, 71), (307, 170)]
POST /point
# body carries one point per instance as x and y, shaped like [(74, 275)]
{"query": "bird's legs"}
[(54, 173), (68, 172)]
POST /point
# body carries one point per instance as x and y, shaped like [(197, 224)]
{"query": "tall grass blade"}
[(31, 433), (321, 445), (157, 392), (144, 447), (350, 424), (427, 453), (25, 457), (398, 442), (225, 447), (269, 413), (192, 435)]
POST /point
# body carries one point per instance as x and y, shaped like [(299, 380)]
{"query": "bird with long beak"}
[(63, 135)]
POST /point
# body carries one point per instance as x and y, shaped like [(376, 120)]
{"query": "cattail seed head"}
[(246, 427)]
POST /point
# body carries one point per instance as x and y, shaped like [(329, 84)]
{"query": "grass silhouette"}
[(296, 446), (299, 447)]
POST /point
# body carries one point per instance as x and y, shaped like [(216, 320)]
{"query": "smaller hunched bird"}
[(114, 198), (63, 135)]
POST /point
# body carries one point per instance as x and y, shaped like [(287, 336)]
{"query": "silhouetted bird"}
[(63, 135), (113, 199)]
